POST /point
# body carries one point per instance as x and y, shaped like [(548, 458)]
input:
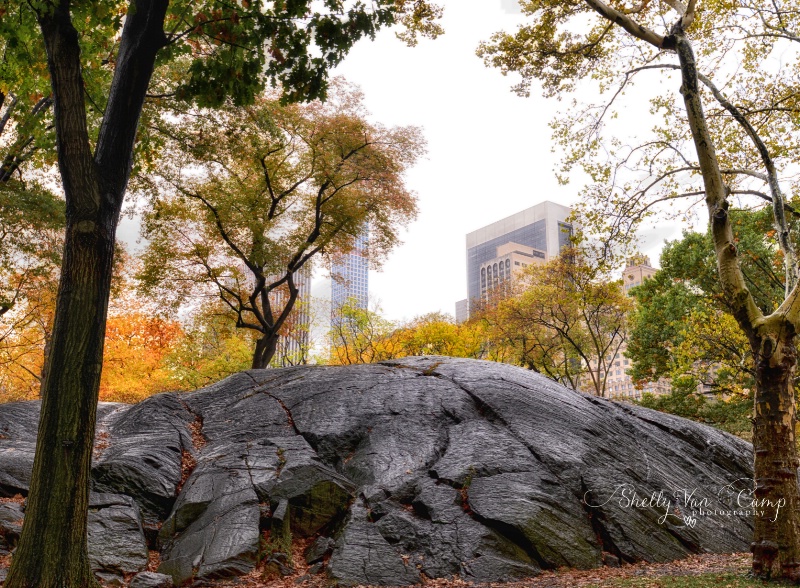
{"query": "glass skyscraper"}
[(350, 277)]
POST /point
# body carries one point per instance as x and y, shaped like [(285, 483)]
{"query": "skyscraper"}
[(350, 276), (499, 250), (293, 344)]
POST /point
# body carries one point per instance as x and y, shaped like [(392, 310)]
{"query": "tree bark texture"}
[(776, 502), (265, 350), (268, 325), (777, 533), (52, 550)]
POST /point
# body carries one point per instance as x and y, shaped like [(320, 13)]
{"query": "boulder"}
[(213, 531), (151, 580), (321, 547), (19, 422), (143, 454), (116, 541), (11, 516), (420, 467)]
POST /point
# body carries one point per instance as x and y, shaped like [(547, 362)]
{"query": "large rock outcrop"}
[(421, 466)]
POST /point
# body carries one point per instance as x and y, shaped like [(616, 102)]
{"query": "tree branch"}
[(627, 23), (733, 284)]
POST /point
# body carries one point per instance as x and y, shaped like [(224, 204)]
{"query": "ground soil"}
[(737, 563)]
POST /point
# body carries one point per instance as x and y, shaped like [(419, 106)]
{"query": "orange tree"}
[(136, 346)]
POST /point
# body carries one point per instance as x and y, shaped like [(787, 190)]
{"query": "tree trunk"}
[(776, 538), (265, 350), (52, 550)]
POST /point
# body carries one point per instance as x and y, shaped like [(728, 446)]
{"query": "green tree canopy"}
[(682, 324)]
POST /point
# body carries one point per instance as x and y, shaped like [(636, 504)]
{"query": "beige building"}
[(618, 383), (637, 271), (529, 236), (498, 273)]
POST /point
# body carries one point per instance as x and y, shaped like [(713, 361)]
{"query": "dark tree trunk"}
[(776, 538), (52, 550), (265, 350)]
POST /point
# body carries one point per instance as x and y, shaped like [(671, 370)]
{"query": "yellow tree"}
[(31, 219), (24, 332), (250, 196), (360, 335), (211, 349), (437, 333), (566, 321), (726, 130)]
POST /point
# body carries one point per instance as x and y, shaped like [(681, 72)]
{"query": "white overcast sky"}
[(489, 151)]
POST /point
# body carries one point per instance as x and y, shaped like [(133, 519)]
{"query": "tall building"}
[(498, 251), (462, 311), (350, 276), (637, 271), (294, 342)]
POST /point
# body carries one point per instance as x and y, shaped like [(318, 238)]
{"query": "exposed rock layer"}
[(429, 466)]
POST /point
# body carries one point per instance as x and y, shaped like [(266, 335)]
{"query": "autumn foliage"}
[(134, 360)]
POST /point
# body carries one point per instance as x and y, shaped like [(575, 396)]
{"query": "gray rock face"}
[(431, 466), (11, 516), (116, 541), (143, 457), (151, 580)]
